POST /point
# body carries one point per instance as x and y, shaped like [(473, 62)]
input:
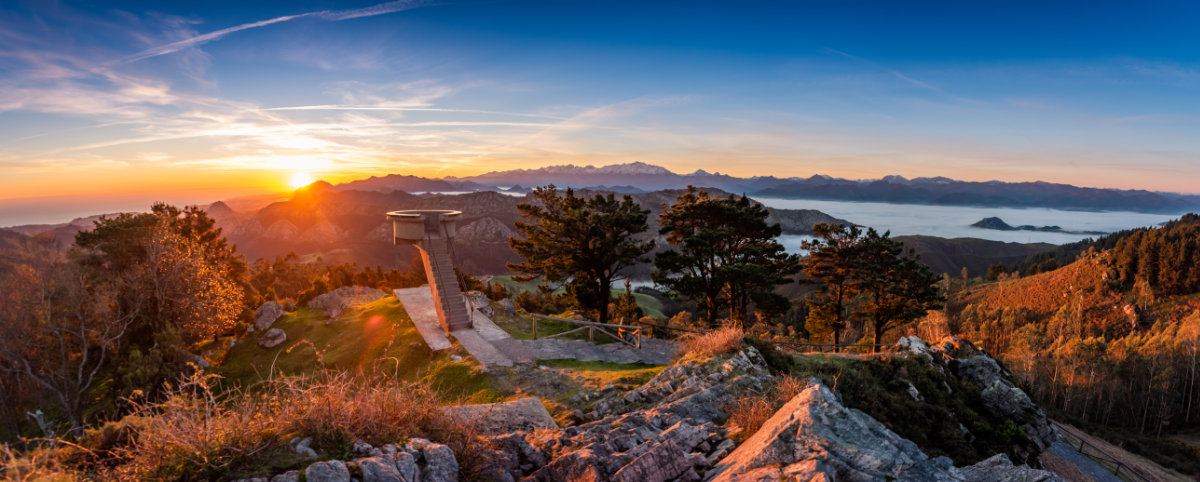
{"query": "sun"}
[(300, 179)]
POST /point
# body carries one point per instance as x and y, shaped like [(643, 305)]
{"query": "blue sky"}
[(213, 98)]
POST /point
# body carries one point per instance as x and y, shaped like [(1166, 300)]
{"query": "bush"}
[(716, 342), (749, 413)]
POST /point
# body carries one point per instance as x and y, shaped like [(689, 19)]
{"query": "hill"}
[(890, 189), (950, 256), (1095, 350)]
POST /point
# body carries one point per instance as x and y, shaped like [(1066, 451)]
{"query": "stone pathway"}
[(418, 302), (654, 351)]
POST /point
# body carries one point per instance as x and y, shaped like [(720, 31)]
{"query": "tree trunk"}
[(605, 295)]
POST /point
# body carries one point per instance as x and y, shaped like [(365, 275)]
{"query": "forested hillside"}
[(1112, 340)]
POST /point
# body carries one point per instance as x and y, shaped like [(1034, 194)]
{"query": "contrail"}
[(333, 16)]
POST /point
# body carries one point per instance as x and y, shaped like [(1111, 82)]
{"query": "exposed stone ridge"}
[(663, 430), (1000, 396), (815, 437)]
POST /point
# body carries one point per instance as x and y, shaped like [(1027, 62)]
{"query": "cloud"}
[(903, 77), (333, 16)]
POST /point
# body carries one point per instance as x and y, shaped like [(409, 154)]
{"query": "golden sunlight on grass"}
[(300, 179)]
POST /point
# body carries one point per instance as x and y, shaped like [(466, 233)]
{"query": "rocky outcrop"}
[(336, 301), (667, 430), (419, 460), (663, 430), (272, 338), (1000, 396), (487, 230), (526, 414), (815, 437), (266, 315)]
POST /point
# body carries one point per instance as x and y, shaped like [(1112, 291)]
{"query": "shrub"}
[(749, 413), (715, 342)]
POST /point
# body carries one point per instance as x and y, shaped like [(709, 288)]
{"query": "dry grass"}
[(197, 434), (715, 342), (749, 413), (41, 464)]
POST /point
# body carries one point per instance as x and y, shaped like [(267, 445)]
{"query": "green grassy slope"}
[(376, 339)]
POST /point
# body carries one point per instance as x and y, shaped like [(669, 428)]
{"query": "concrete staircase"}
[(439, 266)]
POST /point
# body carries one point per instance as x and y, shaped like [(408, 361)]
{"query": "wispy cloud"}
[(333, 16), (902, 76)]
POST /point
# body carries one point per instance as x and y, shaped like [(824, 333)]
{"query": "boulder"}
[(289, 476), (335, 302), (815, 435), (440, 464), (664, 461), (481, 303), (526, 414), (266, 315), (507, 305), (272, 338), (328, 471), (999, 468)]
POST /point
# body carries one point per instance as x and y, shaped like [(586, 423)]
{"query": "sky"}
[(202, 100)]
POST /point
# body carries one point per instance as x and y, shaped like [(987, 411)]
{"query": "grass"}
[(377, 338), (600, 374), (200, 434), (715, 342), (748, 413), (650, 305)]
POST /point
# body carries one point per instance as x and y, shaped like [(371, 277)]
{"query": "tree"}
[(726, 254), (176, 271), (583, 242), (68, 329), (897, 287), (831, 261), (995, 271)]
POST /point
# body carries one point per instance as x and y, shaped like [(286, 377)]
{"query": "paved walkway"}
[(491, 345), (654, 351), (418, 302), (1086, 464)]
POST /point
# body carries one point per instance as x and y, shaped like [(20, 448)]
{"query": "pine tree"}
[(585, 243)]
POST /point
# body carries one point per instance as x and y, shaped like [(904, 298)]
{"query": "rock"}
[(815, 437), (481, 303), (289, 476), (526, 414), (336, 301), (406, 464), (1001, 397), (328, 471), (912, 345), (815, 434), (303, 448), (507, 305), (1000, 469), (361, 447), (272, 338), (684, 435), (266, 315), (381, 468), (440, 464), (664, 461), (914, 393)]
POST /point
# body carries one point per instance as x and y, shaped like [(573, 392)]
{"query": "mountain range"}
[(637, 177)]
